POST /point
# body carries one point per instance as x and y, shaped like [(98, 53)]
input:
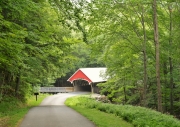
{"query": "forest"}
[(137, 40)]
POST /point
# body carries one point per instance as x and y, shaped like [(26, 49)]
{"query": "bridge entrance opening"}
[(81, 85)]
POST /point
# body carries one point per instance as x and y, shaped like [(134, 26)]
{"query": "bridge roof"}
[(91, 75)]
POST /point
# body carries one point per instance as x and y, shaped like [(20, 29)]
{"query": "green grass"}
[(137, 116), (12, 111), (100, 119)]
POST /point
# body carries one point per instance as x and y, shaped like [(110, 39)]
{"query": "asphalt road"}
[(53, 113)]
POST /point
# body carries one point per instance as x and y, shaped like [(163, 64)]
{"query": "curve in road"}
[(53, 113)]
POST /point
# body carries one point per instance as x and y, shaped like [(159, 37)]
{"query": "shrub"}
[(138, 116)]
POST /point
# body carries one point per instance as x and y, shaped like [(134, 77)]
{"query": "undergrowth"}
[(12, 110), (138, 116)]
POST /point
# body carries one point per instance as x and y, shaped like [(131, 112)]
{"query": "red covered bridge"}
[(87, 79)]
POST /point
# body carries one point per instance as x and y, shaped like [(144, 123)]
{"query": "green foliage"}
[(120, 33), (138, 116), (100, 119), (43, 40), (12, 110), (35, 48)]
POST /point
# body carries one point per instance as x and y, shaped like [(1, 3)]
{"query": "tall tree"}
[(156, 40), (170, 61)]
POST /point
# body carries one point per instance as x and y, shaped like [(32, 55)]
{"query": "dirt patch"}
[(4, 121)]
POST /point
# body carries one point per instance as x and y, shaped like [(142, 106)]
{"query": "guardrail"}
[(56, 89)]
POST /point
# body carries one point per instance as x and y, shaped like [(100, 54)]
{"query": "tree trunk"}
[(124, 89), (2, 77), (125, 98), (156, 40), (170, 63), (18, 79), (165, 71), (144, 60)]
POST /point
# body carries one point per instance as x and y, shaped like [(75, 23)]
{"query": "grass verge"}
[(137, 116), (100, 119), (12, 111)]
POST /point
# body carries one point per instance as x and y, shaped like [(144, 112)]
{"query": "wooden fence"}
[(56, 89)]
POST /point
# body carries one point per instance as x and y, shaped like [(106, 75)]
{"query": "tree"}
[(127, 29), (35, 46), (120, 28), (156, 40)]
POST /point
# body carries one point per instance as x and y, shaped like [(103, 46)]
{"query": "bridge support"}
[(92, 88)]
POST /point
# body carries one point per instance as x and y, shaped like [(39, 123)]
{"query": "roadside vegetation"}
[(135, 115), (100, 119), (43, 42), (12, 110)]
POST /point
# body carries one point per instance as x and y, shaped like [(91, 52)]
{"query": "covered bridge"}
[(86, 79)]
